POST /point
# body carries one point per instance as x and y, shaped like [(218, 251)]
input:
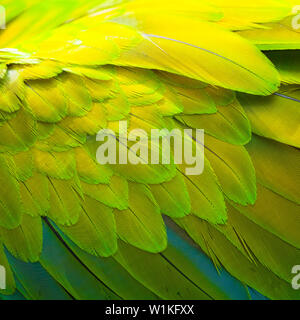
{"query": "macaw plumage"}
[(71, 228)]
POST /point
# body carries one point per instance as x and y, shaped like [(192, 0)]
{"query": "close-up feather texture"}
[(72, 228)]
